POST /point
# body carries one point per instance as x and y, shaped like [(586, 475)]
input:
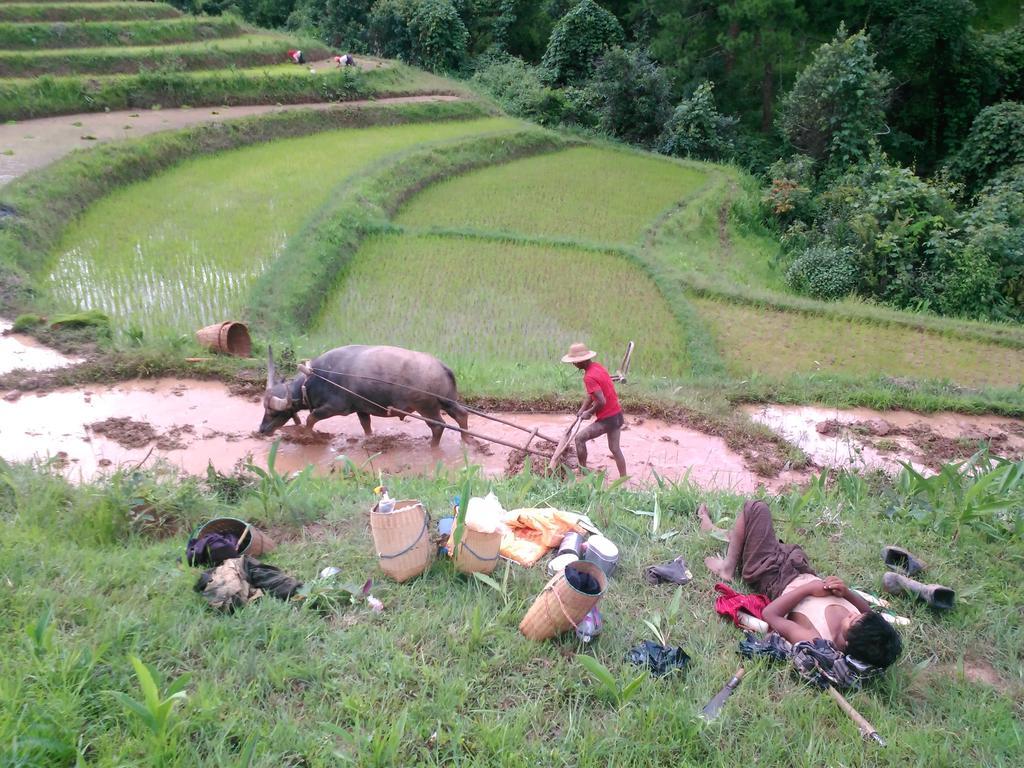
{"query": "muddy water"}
[(861, 438), (201, 422), (20, 351)]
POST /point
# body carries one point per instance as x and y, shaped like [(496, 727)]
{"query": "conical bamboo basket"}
[(229, 337), (402, 540), (255, 542), (560, 606), (478, 552)]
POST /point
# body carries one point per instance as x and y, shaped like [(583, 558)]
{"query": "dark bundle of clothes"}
[(239, 580), (817, 661), (211, 549)]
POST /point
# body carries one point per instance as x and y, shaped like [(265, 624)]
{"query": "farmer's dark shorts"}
[(767, 564), (601, 427)]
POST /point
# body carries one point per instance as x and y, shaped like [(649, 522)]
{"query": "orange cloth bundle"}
[(532, 532)]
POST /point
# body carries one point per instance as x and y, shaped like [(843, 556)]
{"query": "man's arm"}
[(595, 401), (777, 611), (837, 587)]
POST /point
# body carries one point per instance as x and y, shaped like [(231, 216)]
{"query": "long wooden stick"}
[(867, 730), (562, 444)]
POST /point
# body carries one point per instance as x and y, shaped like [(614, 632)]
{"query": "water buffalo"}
[(366, 381)]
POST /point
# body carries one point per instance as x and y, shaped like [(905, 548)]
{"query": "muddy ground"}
[(91, 429), (861, 438), (193, 423)]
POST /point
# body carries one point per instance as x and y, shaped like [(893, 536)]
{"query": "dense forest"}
[(889, 133)]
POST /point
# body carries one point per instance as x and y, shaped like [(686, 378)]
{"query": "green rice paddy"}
[(240, 51), (24, 12), (179, 251), (589, 194), (756, 340), (499, 305)]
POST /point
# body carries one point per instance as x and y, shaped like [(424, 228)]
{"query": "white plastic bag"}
[(484, 515)]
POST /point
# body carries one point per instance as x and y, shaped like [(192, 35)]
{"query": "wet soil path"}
[(31, 144)]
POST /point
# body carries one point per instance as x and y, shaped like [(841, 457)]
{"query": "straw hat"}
[(578, 352)]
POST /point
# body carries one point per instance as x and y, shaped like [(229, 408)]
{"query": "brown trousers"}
[(765, 563)]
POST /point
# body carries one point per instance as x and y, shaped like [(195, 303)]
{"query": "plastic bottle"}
[(386, 505)]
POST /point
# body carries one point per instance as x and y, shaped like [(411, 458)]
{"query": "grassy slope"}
[(445, 657), (219, 220), (269, 84), (246, 50)]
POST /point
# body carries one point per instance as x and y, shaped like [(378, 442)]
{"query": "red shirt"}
[(595, 378)]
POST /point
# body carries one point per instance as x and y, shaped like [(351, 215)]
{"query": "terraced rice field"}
[(179, 251), (103, 11), (497, 305), (777, 344), (589, 194), (245, 50)]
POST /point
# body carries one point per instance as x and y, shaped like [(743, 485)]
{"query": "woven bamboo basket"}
[(229, 338), (478, 552), (251, 540), (560, 606), (402, 540)]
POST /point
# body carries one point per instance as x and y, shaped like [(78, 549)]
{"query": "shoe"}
[(936, 595), (898, 559)]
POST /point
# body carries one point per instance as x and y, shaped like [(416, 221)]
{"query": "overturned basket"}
[(229, 338)]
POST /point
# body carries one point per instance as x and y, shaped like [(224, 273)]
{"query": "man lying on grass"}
[(803, 606)]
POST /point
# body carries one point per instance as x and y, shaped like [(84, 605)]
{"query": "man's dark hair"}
[(873, 640)]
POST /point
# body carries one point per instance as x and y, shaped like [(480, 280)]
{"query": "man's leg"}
[(583, 437), (725, 566), (613, 447)]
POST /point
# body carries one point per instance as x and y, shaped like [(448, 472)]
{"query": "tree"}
[(995, 143), (633, 96), (837, 105), (578, 40), (439, 35), (339, 23), (995, 230), (939, 70), (697, 129), (428, 33)]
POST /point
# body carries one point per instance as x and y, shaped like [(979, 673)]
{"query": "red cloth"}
[(730, 603), (596, 377)]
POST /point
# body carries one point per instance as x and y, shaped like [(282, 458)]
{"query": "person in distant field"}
[(296, 56), (803, 606), (602, 402), (345, 60)]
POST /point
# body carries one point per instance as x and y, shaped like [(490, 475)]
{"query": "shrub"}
[(824, 272), (697, 129), (891, 219), (439, 35), (518, 88), (837, 104), (427, 33), (339, 23), (995, 143), (578, 40), (389, 29), (632, 93), (995, 228)]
